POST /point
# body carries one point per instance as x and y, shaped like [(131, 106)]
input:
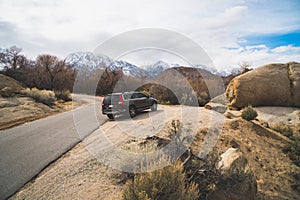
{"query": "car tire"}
[(132, 111), (154, 107), (111, 116)]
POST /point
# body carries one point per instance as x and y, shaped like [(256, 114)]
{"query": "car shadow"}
[(139, 116)]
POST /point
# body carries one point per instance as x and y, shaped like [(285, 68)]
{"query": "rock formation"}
[(269, 85)]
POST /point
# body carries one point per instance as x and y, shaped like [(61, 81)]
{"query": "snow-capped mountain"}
[(128, 68), (210, 69), (89, 61), (158, 67)]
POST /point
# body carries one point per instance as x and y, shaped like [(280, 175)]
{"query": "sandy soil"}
[(82, 173)]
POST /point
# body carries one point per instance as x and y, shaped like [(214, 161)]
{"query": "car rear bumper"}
[(113, 112)]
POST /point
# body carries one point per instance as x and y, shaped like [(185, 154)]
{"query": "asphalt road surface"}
[(27, 149)]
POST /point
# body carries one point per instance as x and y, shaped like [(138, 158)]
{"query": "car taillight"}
[(102, 102), (121, 101)]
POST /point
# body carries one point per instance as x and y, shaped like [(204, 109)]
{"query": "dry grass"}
[(44, 96), (166, 183), (64, 95)]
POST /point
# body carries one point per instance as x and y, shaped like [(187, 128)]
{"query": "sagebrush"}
[(166, 183), (249, 113), (64, 95), (44, 96)]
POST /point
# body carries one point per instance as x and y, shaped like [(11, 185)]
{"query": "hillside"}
[(185, 85)]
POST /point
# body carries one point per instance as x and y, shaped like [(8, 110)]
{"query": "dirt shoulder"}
[(18, 110)]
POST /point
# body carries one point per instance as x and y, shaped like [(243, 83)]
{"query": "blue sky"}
[(275, 40), (230, 32)]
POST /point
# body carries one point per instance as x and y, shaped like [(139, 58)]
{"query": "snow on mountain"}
[(129, 69), (210, 69), (89, 62), (158, 67)]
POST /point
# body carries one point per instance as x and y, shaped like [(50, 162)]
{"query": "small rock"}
[(234, 144), (6, 92), (233, 161)]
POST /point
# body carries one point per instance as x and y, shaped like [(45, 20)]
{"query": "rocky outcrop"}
[(217, 104), (294, 76), (237, 182), (269, 85), (9, 86)]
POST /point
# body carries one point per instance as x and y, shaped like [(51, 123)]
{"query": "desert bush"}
[(203, 172), (209, 177), (166, 183), (63, 95), (249, 113), (293, 151), (44, 96)]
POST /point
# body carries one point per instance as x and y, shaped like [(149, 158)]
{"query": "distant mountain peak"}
[(91, 62)]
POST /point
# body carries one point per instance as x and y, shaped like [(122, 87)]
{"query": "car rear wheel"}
[(154, 107), (132, 111), (111, 116)]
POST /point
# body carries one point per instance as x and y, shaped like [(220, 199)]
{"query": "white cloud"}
[(284, 49), (63, 26)]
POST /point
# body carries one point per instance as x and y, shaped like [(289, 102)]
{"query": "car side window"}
[(141, 95), (133, 96)]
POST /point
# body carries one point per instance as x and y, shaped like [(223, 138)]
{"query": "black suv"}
[(128, 102)]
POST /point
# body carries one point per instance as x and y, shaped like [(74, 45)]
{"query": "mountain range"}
[(90, 62)]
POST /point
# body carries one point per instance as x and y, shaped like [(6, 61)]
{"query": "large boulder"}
[(237, 182), (269, 85), (294, 75)]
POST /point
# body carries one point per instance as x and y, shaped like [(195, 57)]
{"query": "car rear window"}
[(127, 95), (111, 99)]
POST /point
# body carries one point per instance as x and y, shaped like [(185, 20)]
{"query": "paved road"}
[(27, 149)]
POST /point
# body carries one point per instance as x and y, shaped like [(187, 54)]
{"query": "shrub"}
[(44, 96), (63, 95), (204, 172), (249, 113), (166, 183), (293, 151)]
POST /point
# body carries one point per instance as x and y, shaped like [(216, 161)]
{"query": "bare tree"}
[(11, 58), (244, 66), (53, 73)]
